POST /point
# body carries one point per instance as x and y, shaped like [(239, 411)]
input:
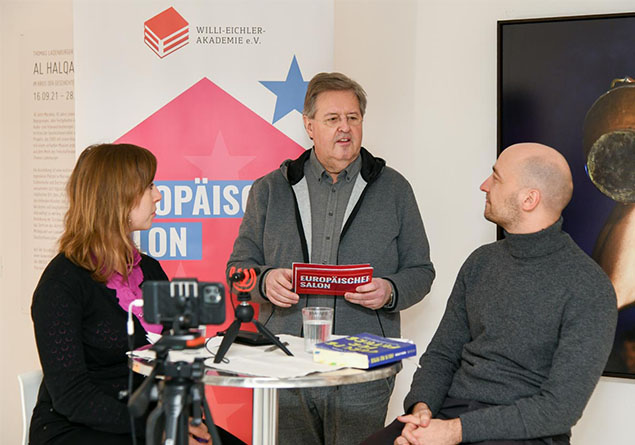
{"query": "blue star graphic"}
[(290, 92)]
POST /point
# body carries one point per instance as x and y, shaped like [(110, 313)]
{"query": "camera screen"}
[(186, 300)]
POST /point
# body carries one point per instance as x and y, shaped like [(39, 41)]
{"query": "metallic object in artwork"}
[(609, 141)]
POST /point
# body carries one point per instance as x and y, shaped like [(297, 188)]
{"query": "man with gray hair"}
[(528, 326), (335, 204)]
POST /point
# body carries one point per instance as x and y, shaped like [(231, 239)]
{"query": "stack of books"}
[(363, 351)]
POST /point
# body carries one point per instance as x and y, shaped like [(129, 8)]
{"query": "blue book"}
[(362, 351)]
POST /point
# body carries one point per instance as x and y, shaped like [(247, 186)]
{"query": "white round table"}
[(265, 390)]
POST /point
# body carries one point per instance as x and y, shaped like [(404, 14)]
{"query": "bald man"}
[(528, 326)]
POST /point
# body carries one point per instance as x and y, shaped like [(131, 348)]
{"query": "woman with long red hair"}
[(80, 304)]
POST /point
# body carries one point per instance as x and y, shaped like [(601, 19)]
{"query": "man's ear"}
[(531, 199), (308, 125)]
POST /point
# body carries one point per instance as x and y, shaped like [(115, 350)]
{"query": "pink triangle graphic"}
[(191, 124), (206, 133), (219, 163)]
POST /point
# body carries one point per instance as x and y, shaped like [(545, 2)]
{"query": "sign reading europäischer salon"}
[(322, 279)]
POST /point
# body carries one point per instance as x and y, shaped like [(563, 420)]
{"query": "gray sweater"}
[(528, 328), (383, 228)]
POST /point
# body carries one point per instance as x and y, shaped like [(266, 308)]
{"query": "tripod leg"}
[(209, 421), (229, 338), (176, 422), (140, 399), (154, 425), (267, 333)]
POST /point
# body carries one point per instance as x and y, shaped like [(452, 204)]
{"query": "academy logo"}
[(166, 32)]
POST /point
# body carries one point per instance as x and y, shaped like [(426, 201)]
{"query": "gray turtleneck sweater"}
[(528, 329)]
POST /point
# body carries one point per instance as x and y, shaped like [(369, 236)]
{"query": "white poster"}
[(47, 146), (237, 44), (215, 89)]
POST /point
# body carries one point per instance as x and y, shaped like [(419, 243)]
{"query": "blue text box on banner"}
[(202, 199), (173, 241)]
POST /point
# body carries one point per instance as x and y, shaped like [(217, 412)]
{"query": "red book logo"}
[(166, 32)]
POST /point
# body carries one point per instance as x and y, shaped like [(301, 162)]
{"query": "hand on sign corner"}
[(278, 287), (373, 295)]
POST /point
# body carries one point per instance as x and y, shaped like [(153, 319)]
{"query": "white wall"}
[(429, 67), (17, 346)]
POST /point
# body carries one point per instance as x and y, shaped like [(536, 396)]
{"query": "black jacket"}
[(80, 331)]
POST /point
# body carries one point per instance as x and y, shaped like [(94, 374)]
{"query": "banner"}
[(215, 90), (47, 145)]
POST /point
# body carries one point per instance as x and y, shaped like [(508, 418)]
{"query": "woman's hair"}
[(107, 182)]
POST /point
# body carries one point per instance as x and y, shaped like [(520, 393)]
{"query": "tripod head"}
[(243, 281)]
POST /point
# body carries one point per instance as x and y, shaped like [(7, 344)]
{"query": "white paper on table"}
[(253, 360), (152, 337)]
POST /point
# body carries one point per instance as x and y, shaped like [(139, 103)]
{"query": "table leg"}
[(265, 416)]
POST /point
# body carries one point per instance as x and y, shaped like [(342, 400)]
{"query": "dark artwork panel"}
[(550, 73)]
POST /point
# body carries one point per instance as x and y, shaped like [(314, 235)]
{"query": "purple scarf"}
[(130, 290)]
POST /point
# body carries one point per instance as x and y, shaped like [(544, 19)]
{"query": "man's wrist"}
[(456, 429), (392, 297), (263, 284), (420, 406)]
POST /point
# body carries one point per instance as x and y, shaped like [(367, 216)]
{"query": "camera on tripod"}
[(183, 303)]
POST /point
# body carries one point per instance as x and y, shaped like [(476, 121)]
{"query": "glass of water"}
[(317, 324)]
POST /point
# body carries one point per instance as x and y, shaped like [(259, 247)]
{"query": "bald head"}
[(529, 187), (545, 169)]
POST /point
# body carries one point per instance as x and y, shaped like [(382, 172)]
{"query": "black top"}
[(80, 331)]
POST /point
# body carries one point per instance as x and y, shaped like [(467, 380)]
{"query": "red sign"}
[(321, 279)]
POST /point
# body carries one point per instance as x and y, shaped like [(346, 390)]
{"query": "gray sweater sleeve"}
[(587, 327), (441, 359), (414, 278), (248, 246)]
